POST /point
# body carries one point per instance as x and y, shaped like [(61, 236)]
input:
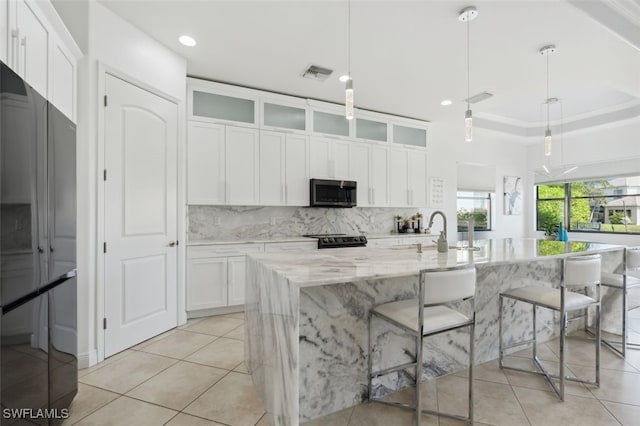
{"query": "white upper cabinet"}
[(359, 165), (379, 176), (63, 78), (250, 147), (221, 103), (398, 177), (242, 155), (418, 178), (279, 114), (340, 160), (272, 168), (320, 158), (30, 44), (296, 170), (206, 163), (409, 135), (38, 47)]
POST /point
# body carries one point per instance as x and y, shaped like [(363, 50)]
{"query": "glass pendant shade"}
[(468, 126), (348, 101), (547, 142)]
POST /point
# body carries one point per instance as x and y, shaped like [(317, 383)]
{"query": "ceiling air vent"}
[(479, 97), (314, 72)]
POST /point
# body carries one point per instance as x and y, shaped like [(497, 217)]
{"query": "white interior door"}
[(140, 215)]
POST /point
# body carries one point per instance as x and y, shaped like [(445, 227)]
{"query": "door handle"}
[(172, 243)]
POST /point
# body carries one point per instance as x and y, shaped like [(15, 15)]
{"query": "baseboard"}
[(87, 359), (215, 311)]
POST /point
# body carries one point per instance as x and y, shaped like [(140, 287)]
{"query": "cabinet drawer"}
[(290, 247), (224, 250)]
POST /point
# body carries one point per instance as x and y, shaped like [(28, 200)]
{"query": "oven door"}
[(332, 193)]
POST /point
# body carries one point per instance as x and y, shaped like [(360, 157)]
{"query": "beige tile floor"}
[(195, 375)]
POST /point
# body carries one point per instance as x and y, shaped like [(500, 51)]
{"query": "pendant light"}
[(548, 51), (348, 93), (467, 15)]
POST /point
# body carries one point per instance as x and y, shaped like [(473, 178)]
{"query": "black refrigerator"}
[(38, 321)]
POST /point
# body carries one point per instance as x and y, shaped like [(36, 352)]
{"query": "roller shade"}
[(475, 177)]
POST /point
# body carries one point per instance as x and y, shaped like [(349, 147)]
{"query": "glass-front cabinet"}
[(279, 114), (407, 135), (223, 104)]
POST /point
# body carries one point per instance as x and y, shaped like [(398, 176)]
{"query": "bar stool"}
[(624, 281), (579, 272), (427, 316)]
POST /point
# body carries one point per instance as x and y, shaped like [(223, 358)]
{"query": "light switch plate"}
[(272, 221), (372, 219), (216, 220)]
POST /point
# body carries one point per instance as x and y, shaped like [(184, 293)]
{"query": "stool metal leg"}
[(535, 343), (419, 342), (500, 342), (598, 342), (563, 324), (370, 364), (625, 317), (472, 328)]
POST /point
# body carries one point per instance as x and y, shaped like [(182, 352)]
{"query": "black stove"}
[(339, 240)]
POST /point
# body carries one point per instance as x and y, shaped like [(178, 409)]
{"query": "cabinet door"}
[(340, 160), (297, 170), (63, 79), (207, 284), (242, 166), (319, 157), (398, 178), (418, 178), (380, 176), (272, 169), (206, 163), (359, 160), (33, 46), (236, 279)]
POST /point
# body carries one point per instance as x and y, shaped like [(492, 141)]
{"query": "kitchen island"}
[(307, 316)]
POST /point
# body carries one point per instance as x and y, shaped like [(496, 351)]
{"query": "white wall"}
[(119, 46), (612, 144), (505, 152)]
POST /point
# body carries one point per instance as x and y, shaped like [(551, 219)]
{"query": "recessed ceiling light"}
[(446, 102), (187, 41), (344, 78)]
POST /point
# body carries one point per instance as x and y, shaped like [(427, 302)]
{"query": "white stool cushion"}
[(550, 297), (615, 280), (436, 318)]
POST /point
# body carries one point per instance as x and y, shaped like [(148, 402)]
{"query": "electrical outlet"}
[(216, 220), (372, 219), (272, 220)]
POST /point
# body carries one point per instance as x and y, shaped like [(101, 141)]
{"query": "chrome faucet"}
[(444, 219)]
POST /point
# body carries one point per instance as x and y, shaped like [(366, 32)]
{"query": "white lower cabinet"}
[(207, 283), (216, 275), (236, 279)]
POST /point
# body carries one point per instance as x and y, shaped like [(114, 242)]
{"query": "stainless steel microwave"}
[(333, 193)]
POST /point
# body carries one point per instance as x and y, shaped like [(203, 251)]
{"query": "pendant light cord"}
[(468, 62), (349, 38), (547, 91)]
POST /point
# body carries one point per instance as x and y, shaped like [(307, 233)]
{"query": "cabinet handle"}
[(23, 42), (172, 244), (286, 194), (15, 36), (227, 190)]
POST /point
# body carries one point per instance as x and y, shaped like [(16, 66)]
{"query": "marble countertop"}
[(245, 240), (331, 266)]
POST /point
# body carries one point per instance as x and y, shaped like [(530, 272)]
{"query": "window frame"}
[(489, 198), (566, 222)]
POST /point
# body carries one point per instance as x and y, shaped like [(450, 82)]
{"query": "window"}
[(603, 205), (476, 205)]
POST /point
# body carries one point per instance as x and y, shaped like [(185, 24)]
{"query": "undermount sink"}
[(414, 247)]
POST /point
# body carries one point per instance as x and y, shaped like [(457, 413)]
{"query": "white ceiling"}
[(406, 56)]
